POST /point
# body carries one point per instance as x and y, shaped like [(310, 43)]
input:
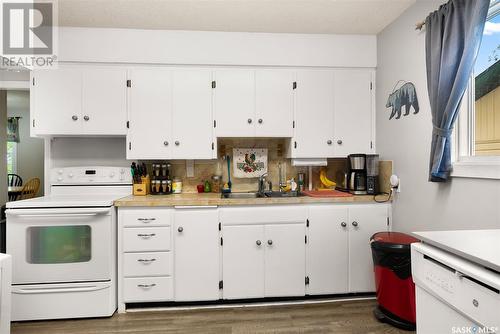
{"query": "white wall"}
[(215, 48), (3, 148), (459, 204), (30, 151)]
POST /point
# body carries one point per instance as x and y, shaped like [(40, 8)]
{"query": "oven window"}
[(59, 244)]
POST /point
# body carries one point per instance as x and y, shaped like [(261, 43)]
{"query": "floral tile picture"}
[(249, 162)]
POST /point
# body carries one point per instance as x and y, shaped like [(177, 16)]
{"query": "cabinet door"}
[(104, 101), (364, 221), (314, 115), (285, 260), (274, 103), (243, 261), (235, 103), (327, 249), (150, 116), (58, 102), (196, 244), (353, 112), (192, 124)]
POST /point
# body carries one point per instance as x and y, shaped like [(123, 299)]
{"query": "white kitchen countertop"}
[(479, 246)]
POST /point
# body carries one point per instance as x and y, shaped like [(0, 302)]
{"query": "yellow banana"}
[(324, 179)]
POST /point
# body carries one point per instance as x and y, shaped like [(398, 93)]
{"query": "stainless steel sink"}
[(283, 194), (242, 195)]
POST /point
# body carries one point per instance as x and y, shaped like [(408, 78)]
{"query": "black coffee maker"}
[(357, 174)]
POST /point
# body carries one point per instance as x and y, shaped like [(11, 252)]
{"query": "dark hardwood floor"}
[(335, 317)]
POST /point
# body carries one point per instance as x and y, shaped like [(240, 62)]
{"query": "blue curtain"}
[(452, 40)]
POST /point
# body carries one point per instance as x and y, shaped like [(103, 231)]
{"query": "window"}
[(11, 157), (478, 135)]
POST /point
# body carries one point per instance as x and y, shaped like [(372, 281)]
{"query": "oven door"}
[(61, 244)]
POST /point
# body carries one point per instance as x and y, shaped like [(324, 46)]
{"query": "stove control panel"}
[(91, 175)]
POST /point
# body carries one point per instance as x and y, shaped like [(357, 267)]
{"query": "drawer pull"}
[(146, 286), (146, 236), (146, 220), (146, 261), (475, 303)]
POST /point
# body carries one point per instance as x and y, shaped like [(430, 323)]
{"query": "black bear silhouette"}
[(406, 96)]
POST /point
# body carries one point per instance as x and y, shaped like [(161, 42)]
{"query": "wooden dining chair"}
[(30, 189), (14, 180)]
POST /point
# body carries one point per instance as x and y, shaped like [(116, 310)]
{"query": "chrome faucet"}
[(262, 182)]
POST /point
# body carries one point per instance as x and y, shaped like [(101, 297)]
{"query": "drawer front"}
[(147, 289), (147, 264), (146, 239), (146, 217)]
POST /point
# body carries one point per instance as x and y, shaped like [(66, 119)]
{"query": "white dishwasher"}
[(454, 295)]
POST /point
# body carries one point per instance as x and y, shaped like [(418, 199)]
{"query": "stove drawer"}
[(146, 239), (147, 264), (148, 289), (133, 217)]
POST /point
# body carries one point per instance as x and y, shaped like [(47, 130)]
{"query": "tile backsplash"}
[(204, 169)]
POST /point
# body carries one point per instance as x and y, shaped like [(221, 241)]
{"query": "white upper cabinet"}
[(354, 115), (314, 115), (170, 114), (234, 103), (192, 122), (104, 101), (274, 103), (57, 102), (79, 101), (150, 114)]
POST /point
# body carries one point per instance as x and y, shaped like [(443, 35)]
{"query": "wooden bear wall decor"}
[(405, 96)]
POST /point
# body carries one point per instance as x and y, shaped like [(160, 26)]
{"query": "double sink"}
[(267, 194)]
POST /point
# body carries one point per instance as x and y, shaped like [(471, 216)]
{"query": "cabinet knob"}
[(86, 117), (269, 242), (343, 224), (177, 143), (261, 120), (74, 117), (180, 229), (249, 121), (165, 143), (339, 141), (329, 142), (258, 242), (354, 224)]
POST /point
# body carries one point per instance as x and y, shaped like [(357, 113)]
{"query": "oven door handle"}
[(28, 291), (58, 212)]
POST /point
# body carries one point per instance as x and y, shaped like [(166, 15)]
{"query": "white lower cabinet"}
[(339, 258), (328, 251), (197, 257), (209, 253), (364, 221), (263, 251)]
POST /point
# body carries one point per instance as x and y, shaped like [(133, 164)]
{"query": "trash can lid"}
[(394, 238)]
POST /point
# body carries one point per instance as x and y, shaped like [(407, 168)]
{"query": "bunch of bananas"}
[(327, 183)]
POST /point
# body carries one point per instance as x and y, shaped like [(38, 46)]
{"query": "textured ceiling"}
[(274, 16)]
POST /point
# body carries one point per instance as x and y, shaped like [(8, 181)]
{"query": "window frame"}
[(465, 163)]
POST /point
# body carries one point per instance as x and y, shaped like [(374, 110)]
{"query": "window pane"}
[(487, 91), (59, 244)]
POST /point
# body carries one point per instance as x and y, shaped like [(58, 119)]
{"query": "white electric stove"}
[(63, 245)]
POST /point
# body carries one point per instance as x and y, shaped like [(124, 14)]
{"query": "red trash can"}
[(393, 280)]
